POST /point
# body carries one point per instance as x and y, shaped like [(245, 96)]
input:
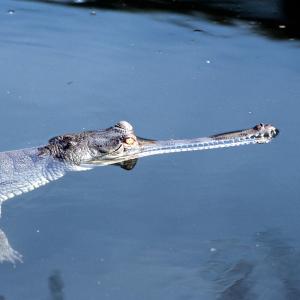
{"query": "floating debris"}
[(282, 26), (11, 12), (93, 13), (207, 61)]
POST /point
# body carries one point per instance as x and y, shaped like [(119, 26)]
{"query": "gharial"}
[(26, 169)]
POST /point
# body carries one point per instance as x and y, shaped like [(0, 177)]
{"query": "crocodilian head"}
[(118, 144), (115, 144)]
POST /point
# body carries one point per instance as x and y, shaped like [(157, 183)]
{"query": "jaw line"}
[(127, 155), (260, 134)]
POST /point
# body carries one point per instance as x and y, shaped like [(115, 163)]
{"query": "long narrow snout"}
[(259, 134)]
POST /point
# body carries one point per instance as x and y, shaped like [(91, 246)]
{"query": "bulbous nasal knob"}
[(266, 130)]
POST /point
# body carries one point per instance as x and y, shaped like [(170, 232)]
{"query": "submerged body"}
[(26, 169)]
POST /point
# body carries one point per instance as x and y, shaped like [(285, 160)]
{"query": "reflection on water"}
[(128, 164), (56, 286), (275, 18), (235, 282), (267, 268)]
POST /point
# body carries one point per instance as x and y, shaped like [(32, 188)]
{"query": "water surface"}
[(205, 225)]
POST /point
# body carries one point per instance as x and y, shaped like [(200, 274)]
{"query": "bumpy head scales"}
[(86, 146), (266, 132)]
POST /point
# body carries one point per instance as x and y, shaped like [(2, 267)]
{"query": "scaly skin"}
[(26, 169)]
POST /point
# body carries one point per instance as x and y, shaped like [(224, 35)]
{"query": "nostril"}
[(274, 132)]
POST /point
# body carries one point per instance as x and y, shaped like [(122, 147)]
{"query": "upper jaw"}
[(127, 154), (145, 142)]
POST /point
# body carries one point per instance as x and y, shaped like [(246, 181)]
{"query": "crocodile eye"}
[(129, 141)]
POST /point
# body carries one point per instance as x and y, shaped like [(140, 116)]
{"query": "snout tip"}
[(267, 130), (272, 130)]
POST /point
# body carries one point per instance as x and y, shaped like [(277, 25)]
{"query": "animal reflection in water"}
[(264, 267), (26, 169)]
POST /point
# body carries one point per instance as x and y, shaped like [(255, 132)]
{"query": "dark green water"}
[(219, 224)]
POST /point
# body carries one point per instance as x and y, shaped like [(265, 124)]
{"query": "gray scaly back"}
[(24, 170)]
